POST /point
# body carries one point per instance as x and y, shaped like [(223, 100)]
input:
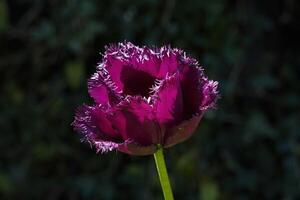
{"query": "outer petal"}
[(102, 89), (96, 129), (199, 94), (192, 91), (135, 121), (128, 147), (135, 149), (210, 94), (182, 131), (168, 100)]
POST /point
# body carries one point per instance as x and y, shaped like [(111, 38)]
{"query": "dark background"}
[(249, 148)]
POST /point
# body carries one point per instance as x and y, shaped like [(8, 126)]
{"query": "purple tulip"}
[(144, 97)]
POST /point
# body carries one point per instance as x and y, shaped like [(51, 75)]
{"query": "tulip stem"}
[(163, 174)]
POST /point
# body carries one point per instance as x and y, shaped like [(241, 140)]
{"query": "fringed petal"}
[(92, 123), (191, 77), (167, 100), (103, 90), (128, 64), (199, 93), (210, 94), (134, 120)]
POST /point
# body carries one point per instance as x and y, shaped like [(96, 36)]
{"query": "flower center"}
[(136, 82)]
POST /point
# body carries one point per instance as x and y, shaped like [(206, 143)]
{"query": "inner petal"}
[(136, 82)]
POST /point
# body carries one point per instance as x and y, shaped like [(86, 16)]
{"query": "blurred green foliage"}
[(249, 148)]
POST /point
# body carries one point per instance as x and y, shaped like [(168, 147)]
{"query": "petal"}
[(126, 54), (199, 93), (106, 146), (192, 90), (169, 61), (93, 124), (134, 120), (168, 100), (182, 131), (83, 122), (126, 64), (150, 61), (103, 90), (128, 147), (135, 149), (210, 94), (114, 66)]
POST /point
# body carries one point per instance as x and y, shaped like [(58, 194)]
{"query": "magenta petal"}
[(105, 146), (101, 119), (135, 121), (114, 66), (169, 61), (209, 94), (156, 62), (103, 90), (191, 83), (127, 66), (93, 124), (83, 123), (119, 59), (199, 93), (168, 101), (182, 131), (150, 61), (126, 54)]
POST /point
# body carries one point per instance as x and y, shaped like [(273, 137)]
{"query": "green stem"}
[(163, 174)]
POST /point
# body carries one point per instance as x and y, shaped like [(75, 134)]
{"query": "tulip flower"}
[(146, 99)]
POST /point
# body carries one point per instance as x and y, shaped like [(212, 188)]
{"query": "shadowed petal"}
[(199, 93), (135, 149), (97, 128), (192, 90), (136, 82), (134, 120), (93, 124), (182, 131)]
